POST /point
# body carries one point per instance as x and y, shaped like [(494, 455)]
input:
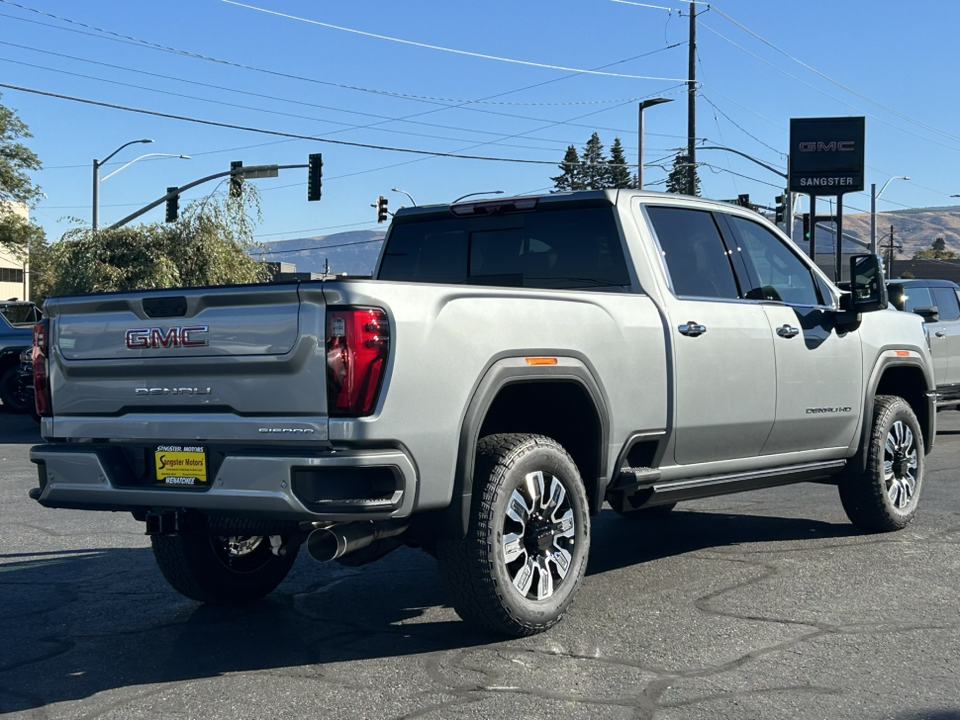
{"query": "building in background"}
[(14, 269)]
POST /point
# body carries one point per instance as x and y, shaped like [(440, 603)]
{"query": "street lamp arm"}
[(895, 177), (182, 157), (742, 154), (132, 142), (488, 192), (398, 190)]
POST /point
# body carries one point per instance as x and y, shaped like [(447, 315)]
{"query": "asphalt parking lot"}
[(760, 605)]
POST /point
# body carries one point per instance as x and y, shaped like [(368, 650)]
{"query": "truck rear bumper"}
[(367, 484)]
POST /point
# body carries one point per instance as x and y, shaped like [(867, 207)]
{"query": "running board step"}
[(676, 490), (632, 478), (643, 486)]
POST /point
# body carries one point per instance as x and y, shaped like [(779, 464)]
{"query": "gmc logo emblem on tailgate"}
[(144, 338)]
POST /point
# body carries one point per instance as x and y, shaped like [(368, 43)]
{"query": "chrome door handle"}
[(692, 329), (788, 332), (940, 333)]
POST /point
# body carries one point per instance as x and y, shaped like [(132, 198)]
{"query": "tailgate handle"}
[(157, 307)]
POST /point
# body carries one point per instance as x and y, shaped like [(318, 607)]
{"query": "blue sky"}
[(337, 71)]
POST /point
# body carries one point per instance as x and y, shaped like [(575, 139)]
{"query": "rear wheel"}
[(221, 569), (885, 496), (523, 558), (13, 392)]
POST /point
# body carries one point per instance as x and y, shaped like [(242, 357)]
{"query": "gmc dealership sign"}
[(826, 155)]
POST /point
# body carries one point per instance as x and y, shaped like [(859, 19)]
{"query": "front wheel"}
[(885, 496), (523, 558), (221, 569)]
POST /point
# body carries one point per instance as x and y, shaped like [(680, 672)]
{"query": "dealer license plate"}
[(181, 465)]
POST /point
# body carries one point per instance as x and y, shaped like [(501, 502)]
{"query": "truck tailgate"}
[(182, 357)]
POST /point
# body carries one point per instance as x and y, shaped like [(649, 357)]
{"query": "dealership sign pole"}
[(827, 158)]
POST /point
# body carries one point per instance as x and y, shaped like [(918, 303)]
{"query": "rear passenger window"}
[(562, 248), (946, 301), (694, 253)]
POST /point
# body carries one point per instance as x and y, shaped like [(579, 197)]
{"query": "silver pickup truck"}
[(511, 366)]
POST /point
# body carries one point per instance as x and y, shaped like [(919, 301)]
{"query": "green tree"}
[(936, 251), (620, 176), (596, 171), (209, 245), (678, 177), (571, 176), (16, 160)]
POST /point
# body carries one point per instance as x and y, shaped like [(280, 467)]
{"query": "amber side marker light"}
[(541, 361)]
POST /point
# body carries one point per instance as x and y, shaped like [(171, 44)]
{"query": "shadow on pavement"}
[(618, 542), (76, 623), (18, 428)]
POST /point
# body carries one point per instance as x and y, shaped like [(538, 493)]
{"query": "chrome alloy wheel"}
[(241, 553), (538, 536), (900, 465)]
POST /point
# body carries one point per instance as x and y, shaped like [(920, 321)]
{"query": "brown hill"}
[(914, 229)]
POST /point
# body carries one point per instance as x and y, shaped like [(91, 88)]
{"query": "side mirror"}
[(868, 292), (929, 314)]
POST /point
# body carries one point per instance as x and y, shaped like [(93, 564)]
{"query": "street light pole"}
[(96, 179), (122, 167), (874, 196), (643, 106), (405, 193)]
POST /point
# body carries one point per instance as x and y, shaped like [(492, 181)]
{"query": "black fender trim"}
[(858, 462), (452, 521)]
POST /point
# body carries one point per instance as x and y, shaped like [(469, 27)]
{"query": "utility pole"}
[(692, 105), (890, 256)]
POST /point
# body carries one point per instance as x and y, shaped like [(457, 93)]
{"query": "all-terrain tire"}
[(522, 560), (886, 495), (220, 569)]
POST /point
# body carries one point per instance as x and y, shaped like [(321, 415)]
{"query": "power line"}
[(277, 133), (259, 95), (129, 40), (825, 94), (467, 53), (834, 82), (349, 126), (741, 128)]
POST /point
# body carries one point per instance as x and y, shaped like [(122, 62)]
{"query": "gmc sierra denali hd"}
[(510, 367)]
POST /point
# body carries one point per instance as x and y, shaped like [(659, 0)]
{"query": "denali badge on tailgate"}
[(143, 338)]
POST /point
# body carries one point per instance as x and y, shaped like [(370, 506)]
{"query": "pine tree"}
[(620, 176), (571, 177), (937, 251), (677, 179), (596, 172)]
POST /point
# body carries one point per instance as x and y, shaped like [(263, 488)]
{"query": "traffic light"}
[(173, 205), (781, 211), (314, 176), (743, 200), (236, 181), (806, 226), (381, 209)]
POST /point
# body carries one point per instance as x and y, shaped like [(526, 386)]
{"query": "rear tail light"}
[(358, 343), (41, 378)]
